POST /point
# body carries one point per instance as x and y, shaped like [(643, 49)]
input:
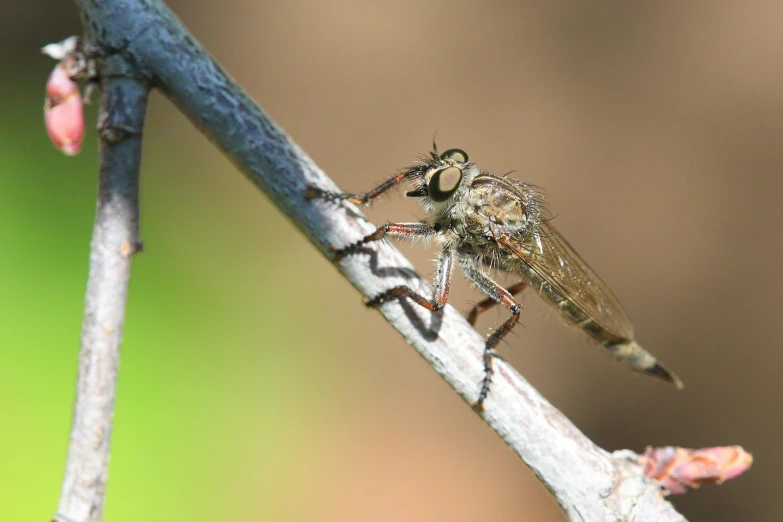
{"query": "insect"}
[(487, 222)]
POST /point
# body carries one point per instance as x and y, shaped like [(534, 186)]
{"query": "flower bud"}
[(64, 111), (681, 469)]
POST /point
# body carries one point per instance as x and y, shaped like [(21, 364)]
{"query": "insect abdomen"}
[(570, 313), (641, 360), (623, 349)]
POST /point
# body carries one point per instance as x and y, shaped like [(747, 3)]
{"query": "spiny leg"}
[(504, 297), (313, 192), (442, 287), (410, 230), (490, 302)]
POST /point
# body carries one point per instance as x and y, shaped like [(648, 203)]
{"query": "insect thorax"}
[(489, 208)]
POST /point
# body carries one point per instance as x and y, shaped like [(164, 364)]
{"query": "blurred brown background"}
[(653, 126)]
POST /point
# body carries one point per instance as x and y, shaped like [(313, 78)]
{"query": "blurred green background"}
[(253, 383)]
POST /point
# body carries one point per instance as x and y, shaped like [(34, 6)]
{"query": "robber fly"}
[(487, 221)]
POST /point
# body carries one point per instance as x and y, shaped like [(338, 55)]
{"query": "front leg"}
[(314, 192), (411, 230), (442, 287)]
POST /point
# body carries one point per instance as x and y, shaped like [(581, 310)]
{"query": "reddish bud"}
[(681, 469), (64, 111)]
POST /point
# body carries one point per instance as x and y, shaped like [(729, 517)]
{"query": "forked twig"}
[(114, 242), (589, 483)]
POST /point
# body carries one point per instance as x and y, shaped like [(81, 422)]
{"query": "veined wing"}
[(549, 255)]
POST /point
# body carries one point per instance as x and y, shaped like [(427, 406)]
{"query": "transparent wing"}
[(549, 255)]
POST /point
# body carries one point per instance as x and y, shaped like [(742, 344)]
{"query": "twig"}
[(587, 482), (114, 241)]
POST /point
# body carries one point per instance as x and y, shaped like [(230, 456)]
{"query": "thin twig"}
[(114, 241), (587, 482)]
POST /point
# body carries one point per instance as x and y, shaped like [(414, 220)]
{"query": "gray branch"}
[(589, 483), (114, 241)]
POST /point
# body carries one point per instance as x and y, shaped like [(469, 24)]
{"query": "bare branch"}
[(587, 482), (114, 241)]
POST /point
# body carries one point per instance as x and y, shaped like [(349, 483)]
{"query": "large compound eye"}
[(456, 155), (444, 183)]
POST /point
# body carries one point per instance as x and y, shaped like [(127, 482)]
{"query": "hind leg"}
[(490, 302), (502, 296)]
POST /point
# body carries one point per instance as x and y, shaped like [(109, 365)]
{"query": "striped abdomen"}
[(622, 348)]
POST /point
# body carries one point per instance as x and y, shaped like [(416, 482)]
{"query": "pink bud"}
[(681, 469), (64, 111)]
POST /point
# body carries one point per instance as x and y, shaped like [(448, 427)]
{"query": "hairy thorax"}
[(488, 213)]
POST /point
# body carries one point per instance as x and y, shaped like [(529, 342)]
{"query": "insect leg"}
[(442, 287), (411, 230), (504, 297), (363, 199), (489, 302)]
